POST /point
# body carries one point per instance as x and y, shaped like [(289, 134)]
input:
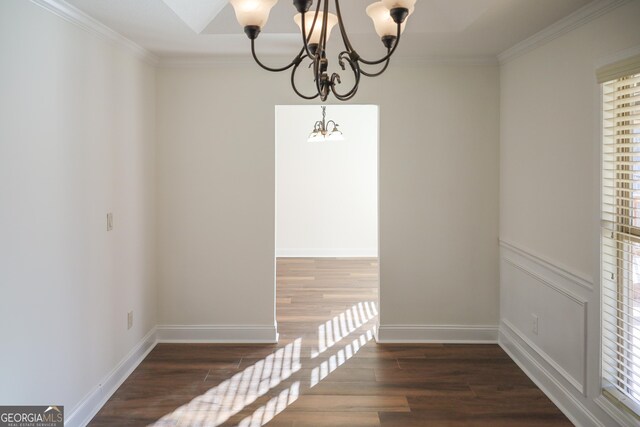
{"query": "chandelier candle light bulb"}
[(253, 14), (389, 19), (383, 22)]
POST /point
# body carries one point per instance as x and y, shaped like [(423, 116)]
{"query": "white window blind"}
[(621, 240)]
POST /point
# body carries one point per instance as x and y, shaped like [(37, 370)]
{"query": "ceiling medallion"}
[(388, 17)]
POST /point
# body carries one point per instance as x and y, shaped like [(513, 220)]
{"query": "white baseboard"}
[(239, 334), (454, 334), (555, 390), (92, 402), (532, 349), (95, 400), (327, 253)]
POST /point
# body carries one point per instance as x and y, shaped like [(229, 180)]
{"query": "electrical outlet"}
[(534, 324), (130, 320), (109, 221)]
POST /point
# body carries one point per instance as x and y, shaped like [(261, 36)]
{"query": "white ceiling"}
[(438, 28)]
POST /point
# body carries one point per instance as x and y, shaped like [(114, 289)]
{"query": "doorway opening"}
[(327, 266)]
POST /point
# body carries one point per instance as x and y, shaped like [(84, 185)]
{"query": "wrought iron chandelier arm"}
[(315, 56), (295, 61), (354, 54), (317, 77), (343, 31), (386, 64), (305, 39), (347, 96), (333, 124), (389, 52), (293, 82), (314, 44), (324, 31), (355, 67)]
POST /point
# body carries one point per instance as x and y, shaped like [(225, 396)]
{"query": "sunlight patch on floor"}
[(336, 360), (231, 396), (341, 326)]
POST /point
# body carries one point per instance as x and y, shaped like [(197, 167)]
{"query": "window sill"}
[(618, 414)]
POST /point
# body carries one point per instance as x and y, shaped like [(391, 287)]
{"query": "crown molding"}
[(77, 17), (212, 61), (490, 60), (578, 18)]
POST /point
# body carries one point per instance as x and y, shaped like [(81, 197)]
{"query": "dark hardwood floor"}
[(328, 371)]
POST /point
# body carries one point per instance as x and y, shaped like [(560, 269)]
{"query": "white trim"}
[(472, 60), (579, 386), (89, 406), (545, 277), (621, 55), (614, 412), (573, 276), (212, 61), (458, 334), (558, 288), (327, 253), (74, 15), (577, 413), (241, 334), (77, 17), (578, 18)]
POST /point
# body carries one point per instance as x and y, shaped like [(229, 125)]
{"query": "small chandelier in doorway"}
[(325, 130), (389, 19)]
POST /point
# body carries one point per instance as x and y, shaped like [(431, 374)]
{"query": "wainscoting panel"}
[(530, 290)]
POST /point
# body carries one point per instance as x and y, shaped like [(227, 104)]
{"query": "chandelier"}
[(324, 130), (388, 17)]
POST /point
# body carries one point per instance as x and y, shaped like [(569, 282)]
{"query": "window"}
[(620, 245)]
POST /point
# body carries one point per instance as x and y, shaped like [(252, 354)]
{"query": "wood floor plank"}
[(327, 370), (349, 403), (334, 419)]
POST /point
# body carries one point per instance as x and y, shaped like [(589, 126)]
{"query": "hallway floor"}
[(327, 370)]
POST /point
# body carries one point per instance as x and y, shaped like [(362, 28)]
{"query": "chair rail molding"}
[(579, 279)]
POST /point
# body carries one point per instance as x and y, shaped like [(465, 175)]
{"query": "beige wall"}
[(327, 191), (549, 205), (77, 131), (78, 121), (438, 193)]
